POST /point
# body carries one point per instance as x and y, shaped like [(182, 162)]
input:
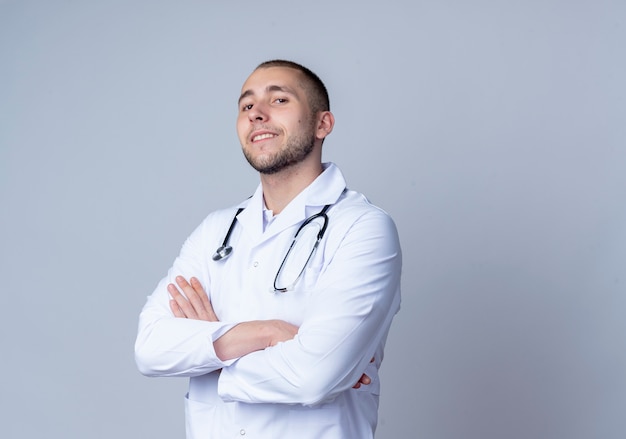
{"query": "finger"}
[(363, 380), (198, 299), (197, 286), (184, 305), (193, 298), (176, 309), (204, 298)]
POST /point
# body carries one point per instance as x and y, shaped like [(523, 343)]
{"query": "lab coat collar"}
[(325, 189)]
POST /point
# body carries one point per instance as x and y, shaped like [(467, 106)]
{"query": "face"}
[(275, 125)]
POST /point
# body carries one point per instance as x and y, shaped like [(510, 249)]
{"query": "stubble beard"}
[(295, 151)]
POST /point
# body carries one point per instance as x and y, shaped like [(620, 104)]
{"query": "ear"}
[(325, 124)]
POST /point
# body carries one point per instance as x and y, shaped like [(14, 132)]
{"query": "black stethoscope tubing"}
[(225, 250), (320, 234)]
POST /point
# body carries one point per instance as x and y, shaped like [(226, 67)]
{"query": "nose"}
[(257, 113)]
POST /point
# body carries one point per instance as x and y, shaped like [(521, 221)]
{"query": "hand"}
[(279, 330), (364, 379), (255, 335), (195, 304)]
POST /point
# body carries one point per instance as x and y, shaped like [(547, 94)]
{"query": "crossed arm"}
[(243, 338)]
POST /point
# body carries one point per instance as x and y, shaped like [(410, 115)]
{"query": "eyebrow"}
[(269, 88)]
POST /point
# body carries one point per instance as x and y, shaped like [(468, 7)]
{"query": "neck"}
[(280, 188)]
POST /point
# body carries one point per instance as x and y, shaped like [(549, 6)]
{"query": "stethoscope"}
[(225, 250)]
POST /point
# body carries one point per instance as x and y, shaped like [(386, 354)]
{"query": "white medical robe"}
[(343, 303)]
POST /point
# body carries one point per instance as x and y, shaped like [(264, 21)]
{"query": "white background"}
[(492, 131)]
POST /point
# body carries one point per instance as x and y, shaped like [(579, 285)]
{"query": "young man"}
[(281, 337)]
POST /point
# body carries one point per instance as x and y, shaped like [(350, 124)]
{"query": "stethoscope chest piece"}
[(223, 252)]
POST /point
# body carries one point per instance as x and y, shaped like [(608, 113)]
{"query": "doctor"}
[(280, 337)]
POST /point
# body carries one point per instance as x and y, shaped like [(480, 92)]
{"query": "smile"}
[(263, 136)]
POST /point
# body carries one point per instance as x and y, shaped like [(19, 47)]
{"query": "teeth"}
[(262, 136)]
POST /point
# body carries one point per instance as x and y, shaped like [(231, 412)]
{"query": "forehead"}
[(269, 78)]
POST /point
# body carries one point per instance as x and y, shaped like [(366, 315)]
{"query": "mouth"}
[(262, 136)]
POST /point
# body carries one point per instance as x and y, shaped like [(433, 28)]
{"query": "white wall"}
[(493, 132)]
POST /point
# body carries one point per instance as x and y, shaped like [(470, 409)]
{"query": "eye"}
[(280, 100), (246, 107)]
